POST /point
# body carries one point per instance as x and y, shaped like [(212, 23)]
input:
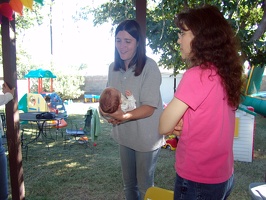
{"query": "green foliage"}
[(30, 18), (23, 65), (69, 86), (244, 16)]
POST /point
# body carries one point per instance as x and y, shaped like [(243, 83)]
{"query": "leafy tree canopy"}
[(248, 17), (69, 84)]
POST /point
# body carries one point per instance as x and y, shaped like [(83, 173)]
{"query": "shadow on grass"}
[(92, 173)]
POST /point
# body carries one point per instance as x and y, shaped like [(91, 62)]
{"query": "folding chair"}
[(156, 193), (90, 131)]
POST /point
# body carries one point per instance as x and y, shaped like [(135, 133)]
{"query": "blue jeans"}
[(189, 190), (3, 172), (138, 171)]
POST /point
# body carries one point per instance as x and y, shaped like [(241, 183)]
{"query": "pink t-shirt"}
[(205, 149)]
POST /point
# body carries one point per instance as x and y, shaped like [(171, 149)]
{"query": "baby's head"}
[(110, 100)]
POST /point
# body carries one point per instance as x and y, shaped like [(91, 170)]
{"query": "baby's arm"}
[(130, 96), (130, 102), (128, 93)]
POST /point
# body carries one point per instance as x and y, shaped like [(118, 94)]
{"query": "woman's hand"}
[(114, 118), (178, 128), (6, 89), (119, 116)]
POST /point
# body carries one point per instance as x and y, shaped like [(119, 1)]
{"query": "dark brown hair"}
[(215, 43), (110, 100), (133, 28)]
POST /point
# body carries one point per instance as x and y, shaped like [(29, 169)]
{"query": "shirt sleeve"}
[(194, 87), (5, 98)]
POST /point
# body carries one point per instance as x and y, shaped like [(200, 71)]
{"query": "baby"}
[(111, 99)]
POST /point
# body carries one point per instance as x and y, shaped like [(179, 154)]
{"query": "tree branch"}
[(262, 25)]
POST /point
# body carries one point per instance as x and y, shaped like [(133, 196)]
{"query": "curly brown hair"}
[(214, 43)]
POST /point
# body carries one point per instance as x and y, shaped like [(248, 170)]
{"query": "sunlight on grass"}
[(77, 172), (74, 164), (259, 155), (53, 162)]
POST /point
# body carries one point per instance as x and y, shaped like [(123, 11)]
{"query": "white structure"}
[(167, 87), (244, 135)]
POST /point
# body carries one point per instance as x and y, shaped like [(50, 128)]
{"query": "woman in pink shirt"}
[(206, 99)]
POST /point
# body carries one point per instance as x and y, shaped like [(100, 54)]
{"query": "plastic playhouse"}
[(41, 101), (254, 96)]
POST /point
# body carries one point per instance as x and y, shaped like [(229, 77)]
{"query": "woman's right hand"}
[(178, 128), (110, 118)]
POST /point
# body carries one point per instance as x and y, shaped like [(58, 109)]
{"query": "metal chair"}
[(156, 193), (90, 132), (73, 134)]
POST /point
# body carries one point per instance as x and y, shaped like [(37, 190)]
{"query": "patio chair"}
[(90, 131), (156, 193), (58, 125)]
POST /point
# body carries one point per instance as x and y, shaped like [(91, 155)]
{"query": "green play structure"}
[(41, 101), (254, 97)]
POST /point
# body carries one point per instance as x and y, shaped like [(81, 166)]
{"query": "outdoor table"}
[(31, 117)]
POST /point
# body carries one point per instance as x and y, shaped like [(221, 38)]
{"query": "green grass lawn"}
[(80, 172)]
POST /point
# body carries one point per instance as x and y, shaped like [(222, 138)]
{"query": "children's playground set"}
[(254, 94), (41, 101)]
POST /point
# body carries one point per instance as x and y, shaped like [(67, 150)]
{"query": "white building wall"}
[(167, 86), (243, 143)]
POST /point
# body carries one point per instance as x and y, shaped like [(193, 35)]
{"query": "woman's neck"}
[(126, 64)]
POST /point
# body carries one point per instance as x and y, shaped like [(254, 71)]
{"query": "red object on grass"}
[(171, 143)]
